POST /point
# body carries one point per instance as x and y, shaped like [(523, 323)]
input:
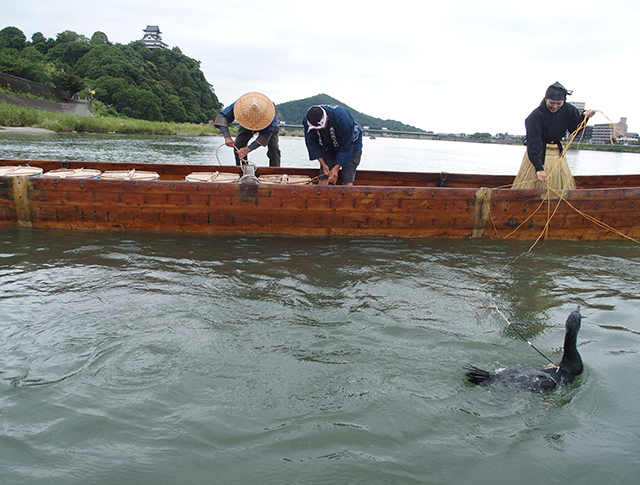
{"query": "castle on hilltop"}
[(152, 38)]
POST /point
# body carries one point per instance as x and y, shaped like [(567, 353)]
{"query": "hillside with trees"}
[(293, 112), (135, 81), (131, 80)]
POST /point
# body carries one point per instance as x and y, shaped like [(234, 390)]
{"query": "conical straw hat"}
[(254, 111)]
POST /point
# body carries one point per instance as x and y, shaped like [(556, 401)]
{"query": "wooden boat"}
[(399, 204)]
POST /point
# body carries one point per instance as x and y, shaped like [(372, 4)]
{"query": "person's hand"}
[(243, 152), (333, 174), (589, 113), (542, 176), (324, 167), (229, 142)]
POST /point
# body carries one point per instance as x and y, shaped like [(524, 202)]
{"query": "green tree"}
[(68, 49), (37, 38), (112, 61), (70, 36), (41, 43), (173, 110), (29, 66), (99, 38), (181, 75), (68, 82), (138, 103), (12, 38), (480, 136), (107, 89)]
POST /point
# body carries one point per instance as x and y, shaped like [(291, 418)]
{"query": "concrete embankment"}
[(24, 130), (73, 107)]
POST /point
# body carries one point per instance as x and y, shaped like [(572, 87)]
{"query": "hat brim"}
[(254, 111)]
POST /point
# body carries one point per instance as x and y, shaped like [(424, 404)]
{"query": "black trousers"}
[(273, 148)]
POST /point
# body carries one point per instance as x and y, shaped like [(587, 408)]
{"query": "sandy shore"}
[(24, 130)]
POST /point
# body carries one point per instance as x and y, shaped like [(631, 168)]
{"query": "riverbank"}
[(12, 116), (33, 116)]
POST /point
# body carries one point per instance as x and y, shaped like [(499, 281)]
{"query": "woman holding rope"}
[(544, 163)]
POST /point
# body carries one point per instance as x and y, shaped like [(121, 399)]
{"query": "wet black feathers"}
[(537, 379)]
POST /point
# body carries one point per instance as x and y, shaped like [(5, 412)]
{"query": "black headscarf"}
[(557, 92)]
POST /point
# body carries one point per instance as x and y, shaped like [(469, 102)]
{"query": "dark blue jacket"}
[(343, 136)]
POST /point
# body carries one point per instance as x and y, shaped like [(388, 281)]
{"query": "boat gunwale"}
[(418, 180)]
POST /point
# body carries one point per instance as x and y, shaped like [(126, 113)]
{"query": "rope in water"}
[(518, 332), (550, 215), (494, 306)]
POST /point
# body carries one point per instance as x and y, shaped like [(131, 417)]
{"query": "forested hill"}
[(292, 112), (133, 80)]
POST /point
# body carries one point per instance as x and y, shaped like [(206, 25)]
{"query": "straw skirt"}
[(558, 174)]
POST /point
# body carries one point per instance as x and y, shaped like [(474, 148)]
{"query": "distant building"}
[(609, 132), (630, 139), (585, 135), (623, 125), (152, 38), (605, 132)]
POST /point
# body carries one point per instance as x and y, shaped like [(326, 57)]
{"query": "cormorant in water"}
[(538, 379)]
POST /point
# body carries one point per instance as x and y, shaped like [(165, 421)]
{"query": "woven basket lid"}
[(284, 179), (254, 111), (212, 177), (129, 175), (20, 171), (71, 173)]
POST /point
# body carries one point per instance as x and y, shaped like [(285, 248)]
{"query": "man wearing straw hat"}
[(255, 113), (334, 139), (544, 163)]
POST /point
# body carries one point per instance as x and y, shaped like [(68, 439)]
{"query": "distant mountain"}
[(292, 113)]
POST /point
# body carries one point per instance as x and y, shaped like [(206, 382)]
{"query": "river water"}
[(378, 154), (173, 358)]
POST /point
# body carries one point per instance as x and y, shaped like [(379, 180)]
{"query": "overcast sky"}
[(447, 66)]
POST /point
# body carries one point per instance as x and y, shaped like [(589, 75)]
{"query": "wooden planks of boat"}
[(381, 203)]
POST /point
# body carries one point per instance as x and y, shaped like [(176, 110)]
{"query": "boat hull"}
[(391, 204)]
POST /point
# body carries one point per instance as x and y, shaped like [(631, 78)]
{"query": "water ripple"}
[(130, 358)]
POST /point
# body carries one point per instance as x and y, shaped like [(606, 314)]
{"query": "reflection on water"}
[(146, 358), (379, 154)]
